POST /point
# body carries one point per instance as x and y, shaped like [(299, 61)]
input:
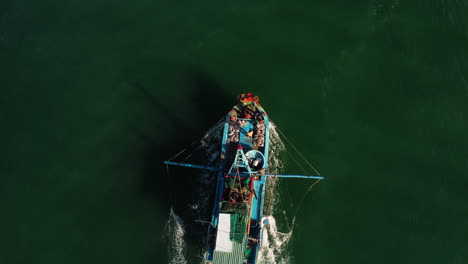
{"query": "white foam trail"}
[(274, 244), (276, 148), (275, 165), (175, 236)]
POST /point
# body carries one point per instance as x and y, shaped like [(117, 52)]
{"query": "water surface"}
[(96, 94)]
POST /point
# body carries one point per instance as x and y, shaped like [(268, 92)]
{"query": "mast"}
[(240, 161)]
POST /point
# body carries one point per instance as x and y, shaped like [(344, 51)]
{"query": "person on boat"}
[(238, 107), (243, 98), (232, 112), (249, 109)]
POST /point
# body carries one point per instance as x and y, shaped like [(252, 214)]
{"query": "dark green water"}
[(96, 94)]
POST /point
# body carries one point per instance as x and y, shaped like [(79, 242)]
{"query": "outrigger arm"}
[(296, 176), (191, 165), (217, 169)]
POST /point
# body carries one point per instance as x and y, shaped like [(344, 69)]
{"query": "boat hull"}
[(252, 143)]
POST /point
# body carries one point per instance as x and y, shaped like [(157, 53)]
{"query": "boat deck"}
[(229, 249), (245, 140), (236, 256)]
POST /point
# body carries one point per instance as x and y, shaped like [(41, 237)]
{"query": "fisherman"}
[(249, 109), (245, 190), (243, 98), (232, 112)]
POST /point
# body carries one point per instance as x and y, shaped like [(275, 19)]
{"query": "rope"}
[(197, 140), (201, 145), (297, 162), (305, 194), (297, 151), (304, 197)]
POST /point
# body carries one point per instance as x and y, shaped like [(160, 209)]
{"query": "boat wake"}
[(274, 244), (175, 236), (275, 165), (276, 147), (208, 148), (274, 249)]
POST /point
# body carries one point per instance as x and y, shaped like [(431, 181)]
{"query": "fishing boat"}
[(235, 230)]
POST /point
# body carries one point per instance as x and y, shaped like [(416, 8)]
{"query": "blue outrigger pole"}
[(296, 176), (216, 169), (191, 165)]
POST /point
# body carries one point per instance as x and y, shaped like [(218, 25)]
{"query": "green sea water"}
[(96, 94)]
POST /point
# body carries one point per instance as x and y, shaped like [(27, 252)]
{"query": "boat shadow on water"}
[(187, 192)]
